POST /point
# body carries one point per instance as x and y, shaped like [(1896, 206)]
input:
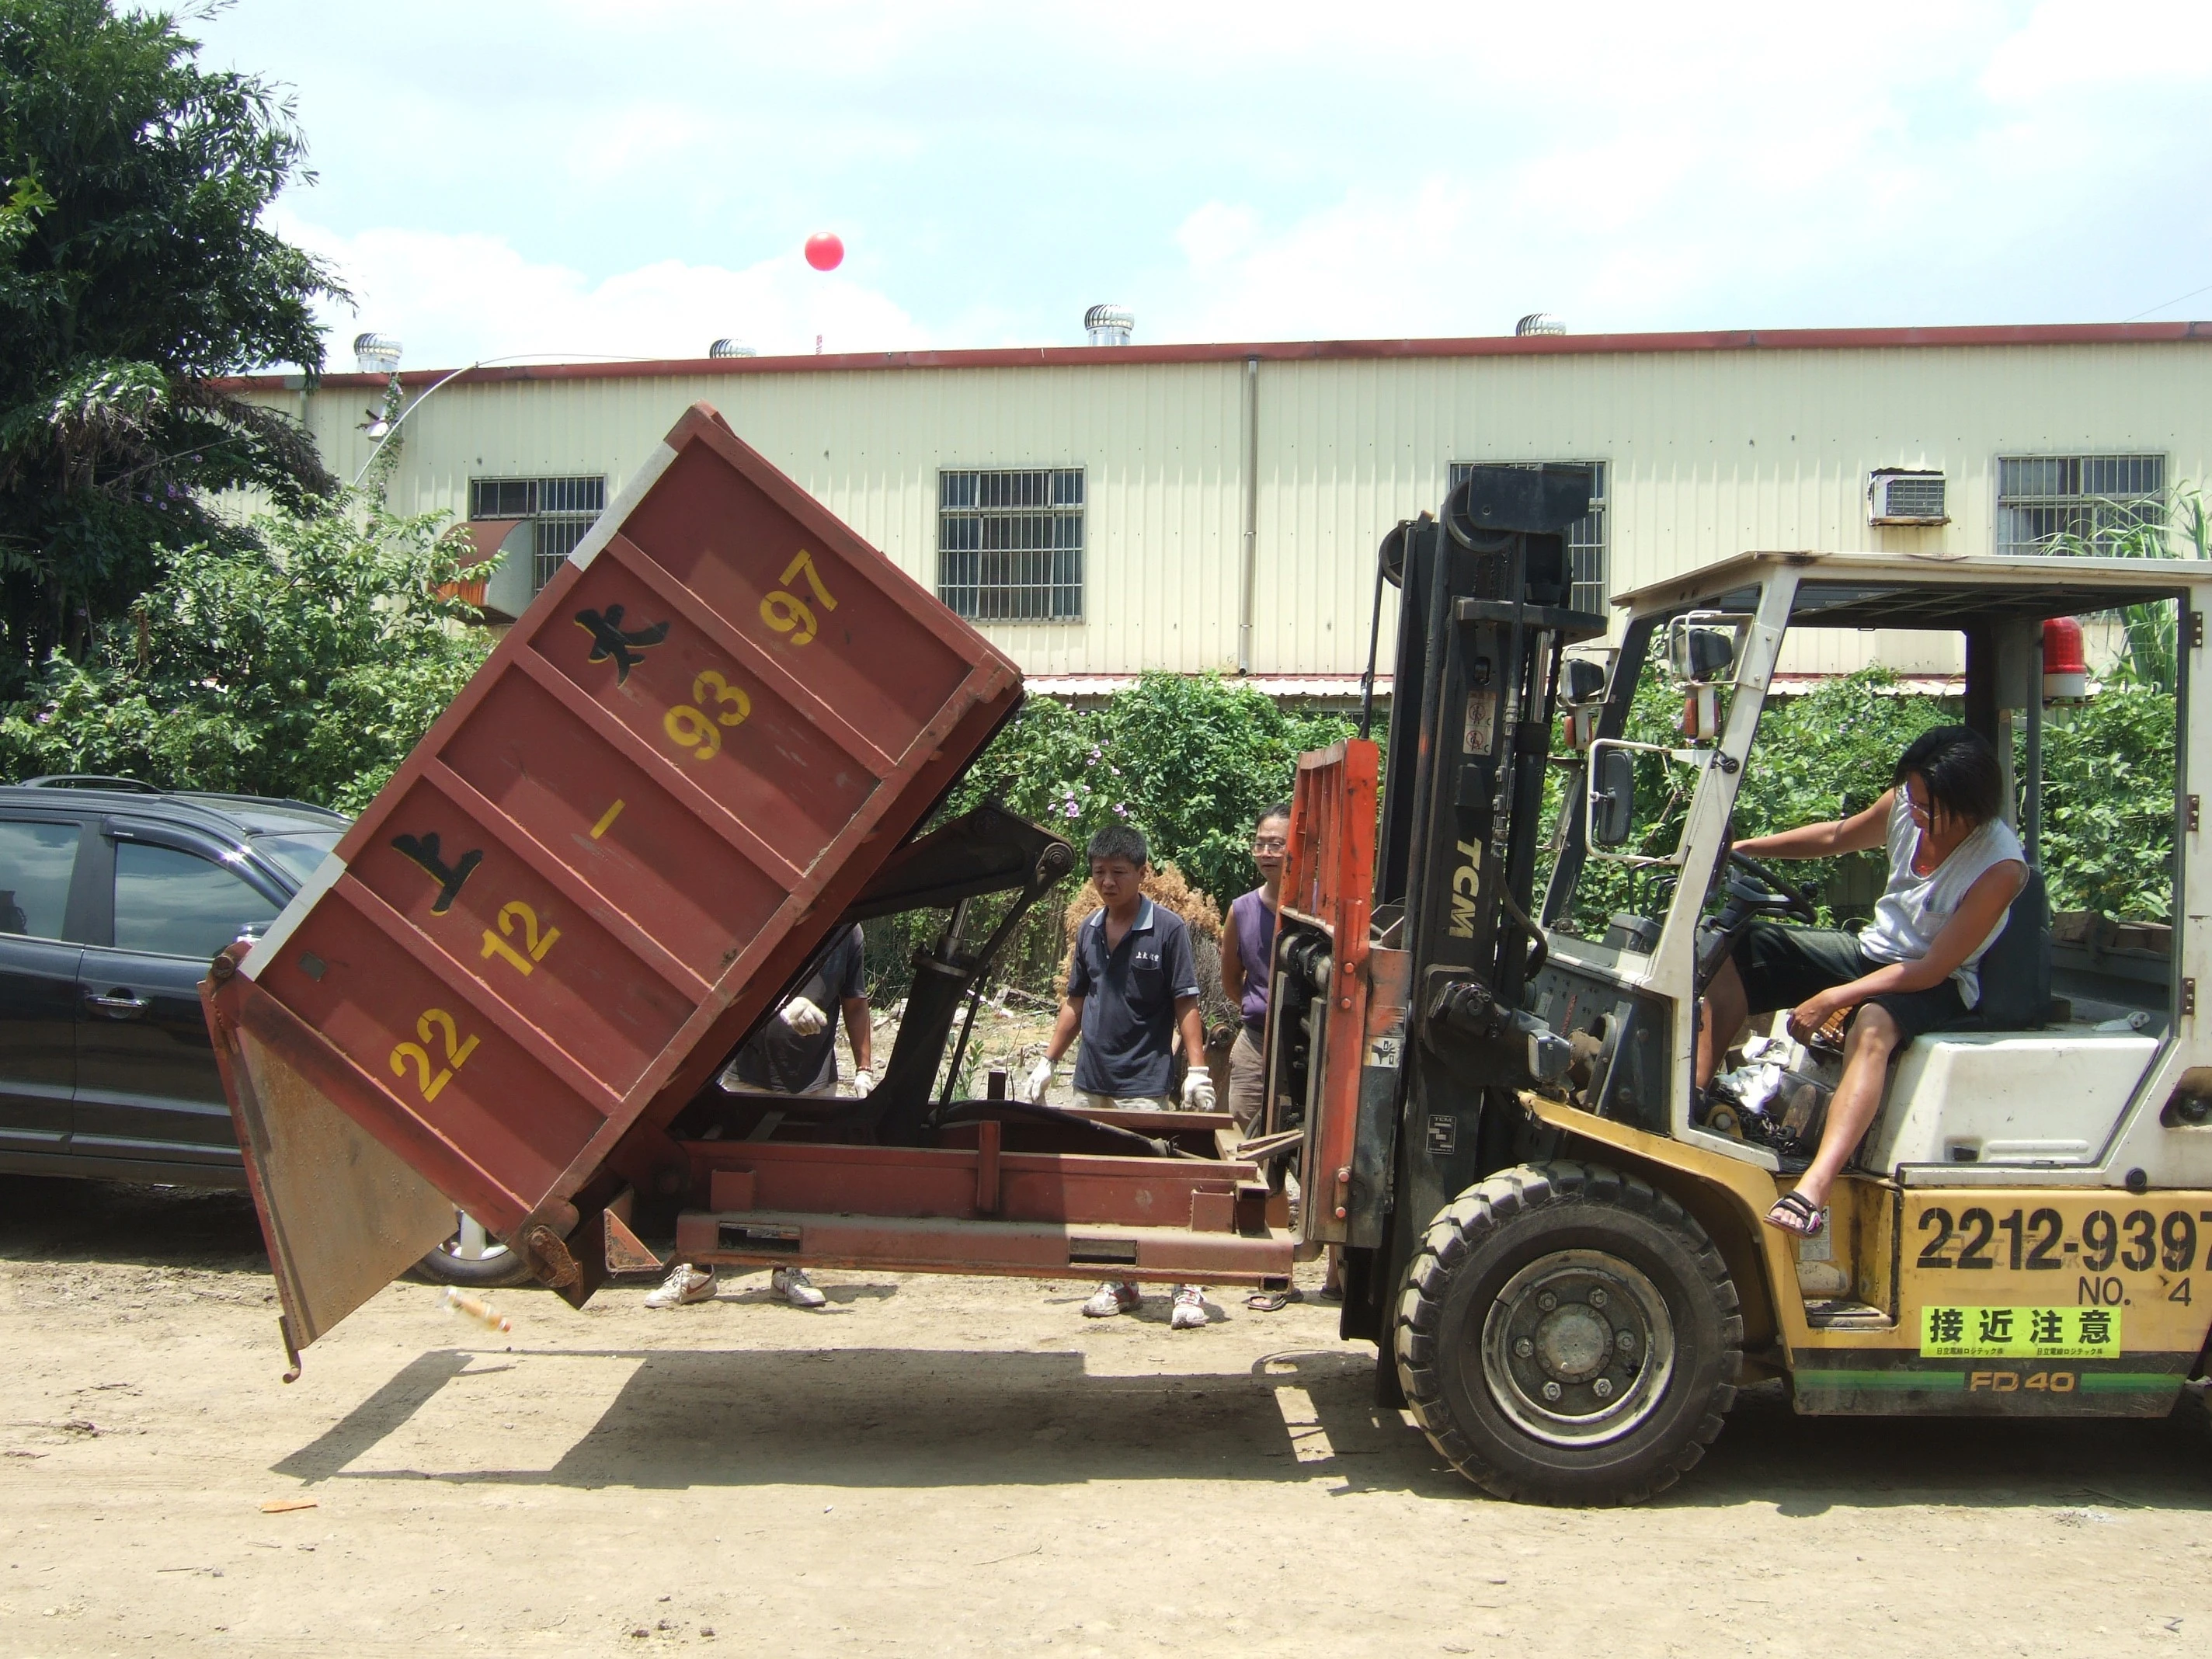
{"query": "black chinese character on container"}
[(422, 850), (2047, 1325), (608, 639), (2096, 1326), (1947, 1324), (1993, 1324)]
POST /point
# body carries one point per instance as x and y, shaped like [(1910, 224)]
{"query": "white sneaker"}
[(684, 1284), (1189, 1312), (792, 1284), (1111, 1299)]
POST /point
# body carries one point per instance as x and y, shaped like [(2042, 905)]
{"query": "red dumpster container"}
[(595, 872)]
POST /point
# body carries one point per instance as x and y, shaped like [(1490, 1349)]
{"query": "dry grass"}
[(1166, 885), (1163, 885)]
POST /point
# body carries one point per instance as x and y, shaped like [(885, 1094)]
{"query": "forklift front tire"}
[(1568, 1335)]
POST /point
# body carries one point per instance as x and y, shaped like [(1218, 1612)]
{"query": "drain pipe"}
[(1249, 565)]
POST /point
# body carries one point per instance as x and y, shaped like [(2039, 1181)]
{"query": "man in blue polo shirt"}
[(1132, 985)]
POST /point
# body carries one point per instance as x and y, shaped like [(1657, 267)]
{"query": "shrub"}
[(308, 670), (1190, 762), (2108, 805)]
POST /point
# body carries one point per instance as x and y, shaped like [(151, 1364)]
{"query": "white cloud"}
[(645, 170), (1215, 233), (2080, 44), (454, 298)]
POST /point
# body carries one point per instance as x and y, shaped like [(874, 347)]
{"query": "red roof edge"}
[(1502, 345)]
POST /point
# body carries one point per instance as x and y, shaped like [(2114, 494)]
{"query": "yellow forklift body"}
[(1975, 1301)]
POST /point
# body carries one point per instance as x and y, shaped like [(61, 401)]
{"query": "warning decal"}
[(2020, 1333)]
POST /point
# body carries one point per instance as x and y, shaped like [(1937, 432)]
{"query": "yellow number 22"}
[(427, 1082)]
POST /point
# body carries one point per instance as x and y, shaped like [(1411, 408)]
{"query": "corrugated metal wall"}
[(1710, 452), (1159, 446)]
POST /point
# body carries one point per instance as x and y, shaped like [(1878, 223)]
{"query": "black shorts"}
[(1781, 967)]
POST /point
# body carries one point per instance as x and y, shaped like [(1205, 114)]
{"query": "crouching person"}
[(1132, 987)]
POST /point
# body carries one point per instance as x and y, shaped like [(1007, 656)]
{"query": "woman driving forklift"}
[(1954, 869)]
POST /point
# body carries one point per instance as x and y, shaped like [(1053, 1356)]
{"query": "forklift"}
[(1556, 1241)]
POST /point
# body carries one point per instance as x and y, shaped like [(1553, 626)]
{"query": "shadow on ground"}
[(901, 1418), (926, 1417), (52, 1219)]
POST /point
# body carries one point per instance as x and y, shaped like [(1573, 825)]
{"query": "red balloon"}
[(825, 249)]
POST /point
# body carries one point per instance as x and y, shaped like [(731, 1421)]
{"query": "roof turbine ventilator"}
[(1108, 325), (729, 347), (1539, 322), (376, 354)]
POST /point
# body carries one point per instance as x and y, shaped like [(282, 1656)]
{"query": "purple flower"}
[(1073, 811)]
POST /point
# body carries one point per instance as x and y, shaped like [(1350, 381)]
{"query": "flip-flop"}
[(1796, 1214), (1270, 1301)]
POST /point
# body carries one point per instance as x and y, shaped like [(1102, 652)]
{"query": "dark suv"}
[(113, 896)]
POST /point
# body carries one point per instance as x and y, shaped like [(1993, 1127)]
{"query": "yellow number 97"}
[(787, 614), (689, 729)]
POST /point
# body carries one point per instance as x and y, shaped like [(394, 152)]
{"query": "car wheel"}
[(474, 1258)]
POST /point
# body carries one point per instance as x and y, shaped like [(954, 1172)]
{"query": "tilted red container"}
[(595, 872)]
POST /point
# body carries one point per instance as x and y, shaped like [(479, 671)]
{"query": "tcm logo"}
[(1466, 882)]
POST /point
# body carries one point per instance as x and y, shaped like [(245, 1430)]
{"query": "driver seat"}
[(2016, 970)]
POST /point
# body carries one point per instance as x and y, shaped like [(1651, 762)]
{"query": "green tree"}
[(307, 667), (1190, 761), (2108, 805), (135, 271)]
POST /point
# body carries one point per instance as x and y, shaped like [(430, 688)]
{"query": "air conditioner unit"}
[(1898, 494)]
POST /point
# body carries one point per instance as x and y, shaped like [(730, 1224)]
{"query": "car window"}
[(180, 904), (298, 856), (36, 863)]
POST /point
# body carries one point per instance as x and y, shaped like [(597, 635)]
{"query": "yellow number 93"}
[(690, 728)]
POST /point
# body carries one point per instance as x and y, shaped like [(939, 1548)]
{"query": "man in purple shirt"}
[(1248, 945)]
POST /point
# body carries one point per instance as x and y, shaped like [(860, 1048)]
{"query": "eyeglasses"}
[(1269, 844)]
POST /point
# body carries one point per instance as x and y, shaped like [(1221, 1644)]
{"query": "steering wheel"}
[(1796, 904)]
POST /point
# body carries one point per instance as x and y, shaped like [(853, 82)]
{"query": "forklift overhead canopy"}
[(1891, 590)]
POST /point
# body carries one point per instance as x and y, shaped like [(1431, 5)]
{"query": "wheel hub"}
[(1573, 1344), (1578, 1349)]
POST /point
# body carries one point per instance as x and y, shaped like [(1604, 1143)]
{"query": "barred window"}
[(2073, 503), (560, 510), (1586, 560), (1010, 544)]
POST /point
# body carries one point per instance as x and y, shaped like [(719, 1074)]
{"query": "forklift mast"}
[(1397, 1037)]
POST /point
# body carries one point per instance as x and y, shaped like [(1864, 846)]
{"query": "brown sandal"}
[(1794, 1213)]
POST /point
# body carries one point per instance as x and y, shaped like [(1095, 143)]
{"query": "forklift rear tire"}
[(1567, 1334)]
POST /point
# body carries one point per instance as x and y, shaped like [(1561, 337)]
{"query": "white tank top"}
[(1914, 909)]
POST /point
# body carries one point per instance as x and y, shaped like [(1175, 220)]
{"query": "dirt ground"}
[(951, 1465)]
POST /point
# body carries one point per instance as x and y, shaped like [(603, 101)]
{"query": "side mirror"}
[(1585, 680), (1703, 654), (1612, 796)]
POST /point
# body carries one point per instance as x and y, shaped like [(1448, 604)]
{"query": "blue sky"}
[(578, 177)]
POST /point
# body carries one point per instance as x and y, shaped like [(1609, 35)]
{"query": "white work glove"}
[(1040, 1080), (863, 1083), (1197, 1091), (803, 1017)]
